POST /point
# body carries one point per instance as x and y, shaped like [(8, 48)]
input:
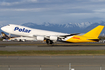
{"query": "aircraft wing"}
[(59, 36), (69, 35)]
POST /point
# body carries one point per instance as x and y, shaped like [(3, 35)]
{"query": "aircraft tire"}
[(49, 41)]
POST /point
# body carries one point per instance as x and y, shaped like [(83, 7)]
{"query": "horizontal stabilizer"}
[(94, 40)]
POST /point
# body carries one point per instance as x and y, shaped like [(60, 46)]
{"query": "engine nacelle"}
[(54, 38), (40, 38)]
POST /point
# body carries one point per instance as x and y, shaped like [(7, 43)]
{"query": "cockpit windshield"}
[(8, 25)]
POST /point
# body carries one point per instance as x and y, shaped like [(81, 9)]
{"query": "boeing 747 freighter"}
[(50, 37)]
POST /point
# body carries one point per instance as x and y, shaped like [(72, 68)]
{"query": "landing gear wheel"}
[(20, 40), (49, 41)]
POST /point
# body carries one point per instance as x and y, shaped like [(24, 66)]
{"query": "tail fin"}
[(94, 33), (4, 36)]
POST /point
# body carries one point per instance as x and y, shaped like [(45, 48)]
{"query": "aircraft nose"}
[(3, 29)]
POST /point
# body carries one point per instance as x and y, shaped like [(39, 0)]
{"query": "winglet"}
[(94, 33)]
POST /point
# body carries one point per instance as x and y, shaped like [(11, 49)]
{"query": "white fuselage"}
[(29, 32)]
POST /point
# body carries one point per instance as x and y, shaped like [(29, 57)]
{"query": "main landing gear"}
[(49, 41)]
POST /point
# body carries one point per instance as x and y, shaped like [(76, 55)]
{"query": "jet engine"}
[(53, 38), (40, 38)]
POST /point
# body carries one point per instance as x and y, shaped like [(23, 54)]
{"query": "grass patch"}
[(51, 52)]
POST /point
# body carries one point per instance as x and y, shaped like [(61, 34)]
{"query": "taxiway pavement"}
[(52, 62)]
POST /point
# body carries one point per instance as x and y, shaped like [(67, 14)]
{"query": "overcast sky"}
[(53, 11)]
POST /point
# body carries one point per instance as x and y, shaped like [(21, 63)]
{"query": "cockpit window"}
[(8, 25)]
